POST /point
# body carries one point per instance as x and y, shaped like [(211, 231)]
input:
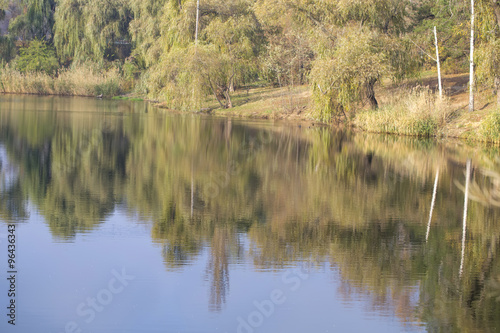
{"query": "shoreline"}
[(294, 104)]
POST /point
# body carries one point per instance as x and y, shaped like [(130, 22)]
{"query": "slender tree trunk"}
[(215, 94), (229, 104), (370, 93), (231, 82), (192, 191), (471, 69), (432, 205), (464, 227), (197, 21), (438, 64)]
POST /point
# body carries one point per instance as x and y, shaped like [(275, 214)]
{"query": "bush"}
[(37, 57)]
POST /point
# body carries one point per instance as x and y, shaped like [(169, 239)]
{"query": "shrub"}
[(37, 57)]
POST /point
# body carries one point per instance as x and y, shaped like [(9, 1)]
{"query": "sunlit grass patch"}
[(419, 112)]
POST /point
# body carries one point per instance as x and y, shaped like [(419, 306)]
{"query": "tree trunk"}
[(216, 94), (229, 104), (197, 21), (471, 67), (438, 64), (370, 93), (231, 82), (466, 201)]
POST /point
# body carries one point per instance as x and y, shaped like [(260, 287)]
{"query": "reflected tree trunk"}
[(432, 205), (464, 228)]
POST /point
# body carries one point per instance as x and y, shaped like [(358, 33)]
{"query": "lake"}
[(124, 218)]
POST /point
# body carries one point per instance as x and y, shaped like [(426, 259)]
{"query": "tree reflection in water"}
[(360, 203)]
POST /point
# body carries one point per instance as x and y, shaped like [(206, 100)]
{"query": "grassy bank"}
[(412, 109), (418, 112), (81, 80)]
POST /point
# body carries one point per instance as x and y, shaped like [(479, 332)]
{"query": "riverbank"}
[(413, 108)]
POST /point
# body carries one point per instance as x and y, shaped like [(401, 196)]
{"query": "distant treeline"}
[(342, 48)]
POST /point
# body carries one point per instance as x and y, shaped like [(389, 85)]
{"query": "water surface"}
[(131, 220)]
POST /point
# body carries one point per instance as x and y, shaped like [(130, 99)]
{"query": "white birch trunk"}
[(438, 64), (432, 205), (471, 70), (197, 20), (464, 228)]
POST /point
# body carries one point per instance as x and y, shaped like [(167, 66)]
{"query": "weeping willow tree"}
[(238, 37), (90, 29), (176, 78), (340, 78), (355, 43), (36, 20), (224, 57), (145, 29)]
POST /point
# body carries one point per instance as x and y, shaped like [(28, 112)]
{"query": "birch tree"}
[(471, 69)]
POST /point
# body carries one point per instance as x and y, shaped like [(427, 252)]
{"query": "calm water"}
[(130, 220)]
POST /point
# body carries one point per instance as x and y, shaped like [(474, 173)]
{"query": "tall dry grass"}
[(81, 80), (489, 130), (418, 112)]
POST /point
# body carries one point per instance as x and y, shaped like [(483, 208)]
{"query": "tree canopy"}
[(342, 48)]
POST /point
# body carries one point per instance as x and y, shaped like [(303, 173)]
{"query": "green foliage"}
[(225, 57), (7, 48), (37, 57), (489, 57), (238, 38), (146, 27), (36, 20), (176, 79), (342, 48), (488, 54), (451, 19), (89, 29), (339, 79)]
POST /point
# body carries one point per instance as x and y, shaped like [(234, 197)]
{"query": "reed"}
[(81, 80)]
